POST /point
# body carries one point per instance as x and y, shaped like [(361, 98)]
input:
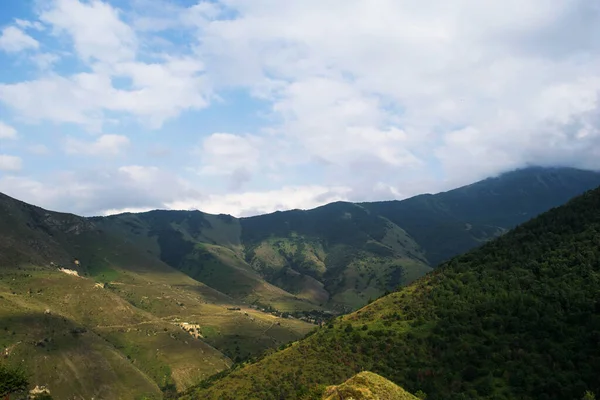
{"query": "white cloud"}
[(134, 188), (7, 131), (384, 99), (13, 40), (95, 27), (159, 92), (261, 202), (59, 99), (45, 61), (10, 163), (94, 191), (384, 90), (105, 145), (25, 24), (118, 77), (228, 154)]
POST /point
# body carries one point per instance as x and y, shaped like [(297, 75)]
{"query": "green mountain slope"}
[(94, 315), (450, 223), (518, 318), (339, 252), (206, 247), (340, 255)]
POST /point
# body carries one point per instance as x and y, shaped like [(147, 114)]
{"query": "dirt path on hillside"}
[(125, 325)]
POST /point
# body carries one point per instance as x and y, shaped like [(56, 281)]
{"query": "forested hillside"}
[(341, 255), (518, 318), (153, 302), (450, 223)]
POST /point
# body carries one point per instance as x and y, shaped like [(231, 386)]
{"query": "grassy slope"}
[(367, 386), (518, 318), (205, 247), (339, 254), (132, 324)]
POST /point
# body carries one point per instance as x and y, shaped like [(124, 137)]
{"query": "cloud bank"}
[(266, 105)]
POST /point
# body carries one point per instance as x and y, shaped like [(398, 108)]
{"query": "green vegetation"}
[(367, 386), (518, 318), (338, 256), (453, 222), (12, 380), (206, 248), (165, 299), (128, 325)]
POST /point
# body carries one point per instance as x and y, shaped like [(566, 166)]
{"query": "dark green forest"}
[(518, 318)]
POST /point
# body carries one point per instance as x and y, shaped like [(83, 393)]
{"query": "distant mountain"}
[(206, 247), (450, 223), (518, 318), (342, 254)]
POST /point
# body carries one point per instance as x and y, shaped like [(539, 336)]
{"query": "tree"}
[(43, 396), (421, 395), (12, 380), (589, 396)]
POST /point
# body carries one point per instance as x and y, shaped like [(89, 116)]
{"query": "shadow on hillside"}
[(40, 332)]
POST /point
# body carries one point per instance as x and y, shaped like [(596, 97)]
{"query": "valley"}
[(149, 305), (517, 318)]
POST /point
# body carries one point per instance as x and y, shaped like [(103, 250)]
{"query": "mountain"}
[(91, 315), (206, 247), (517, 318), (149, 303), (453, 222), (339, 256)]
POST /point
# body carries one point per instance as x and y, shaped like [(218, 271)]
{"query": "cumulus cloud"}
[(10, 163), (104, 145), (14, 40), (153, 88), (359, 100), (160, 91), (98, 191), (95, 27), (474, 87), (232, 156), (7, 131)]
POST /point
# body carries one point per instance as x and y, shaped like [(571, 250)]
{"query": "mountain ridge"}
[(517, 318), (213, 289), (339, 255)]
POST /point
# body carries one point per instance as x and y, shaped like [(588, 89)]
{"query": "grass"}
[(367, 386), (59, 355), (132, 330), (515, 319)]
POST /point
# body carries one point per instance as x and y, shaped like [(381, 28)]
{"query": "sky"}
[(247, 107)]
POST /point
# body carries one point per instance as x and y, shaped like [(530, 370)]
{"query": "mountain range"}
[(517, 318), (151, 303), (340, 255)]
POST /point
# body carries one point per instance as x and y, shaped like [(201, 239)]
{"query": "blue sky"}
[(249, 107)]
